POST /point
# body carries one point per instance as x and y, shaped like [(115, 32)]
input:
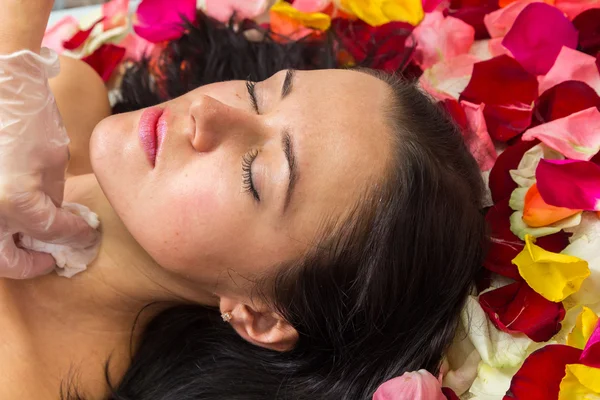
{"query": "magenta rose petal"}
[(540, 375), (564, 99), (537, 36), (569, 183), (591, 352), (508, 92), (518, 308), (159, 20)]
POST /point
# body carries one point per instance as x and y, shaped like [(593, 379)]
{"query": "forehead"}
[(342, 137)]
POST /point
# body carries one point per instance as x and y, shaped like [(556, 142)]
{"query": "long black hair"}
[(379, 295)]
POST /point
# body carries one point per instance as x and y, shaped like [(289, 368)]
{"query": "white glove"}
[(33, 161)]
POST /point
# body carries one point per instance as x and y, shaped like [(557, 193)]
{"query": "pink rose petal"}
[(115, 13), (569, 183), (309, 6), (572, 65), (576, 136), (575, 7), (447, 79), (137, 47), (419, 385), (59, 32), (158, 20), (223, 10), (441, 38), (477, 137), (499, 22), (472, 12), (591, 352), (537, 36)]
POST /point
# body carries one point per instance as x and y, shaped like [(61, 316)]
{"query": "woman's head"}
[(372, 283)]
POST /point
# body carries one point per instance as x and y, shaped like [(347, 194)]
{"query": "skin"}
[(187, 229)]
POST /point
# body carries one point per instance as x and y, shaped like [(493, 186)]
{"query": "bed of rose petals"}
[(521, 78)]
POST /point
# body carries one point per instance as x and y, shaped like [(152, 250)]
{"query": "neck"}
[(79, 322)]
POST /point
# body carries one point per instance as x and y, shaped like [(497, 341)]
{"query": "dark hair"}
[(378, 296)]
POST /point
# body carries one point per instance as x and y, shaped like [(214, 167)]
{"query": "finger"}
[(42, 220), (17, 263)]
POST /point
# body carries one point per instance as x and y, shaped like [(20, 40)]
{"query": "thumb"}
[(17, 263)]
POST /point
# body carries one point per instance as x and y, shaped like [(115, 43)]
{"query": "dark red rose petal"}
[(518, 308), (472, 13), (501, 183), (588, 25), (564, 99), (504, 245), (449, 393), (80, 37), (382, 47), (456, 112), (105, 59), (539, 377), (508, 92)]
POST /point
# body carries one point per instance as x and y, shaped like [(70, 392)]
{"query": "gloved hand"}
[(33, 160)]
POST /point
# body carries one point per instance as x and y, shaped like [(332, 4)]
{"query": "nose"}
[(215, 123)]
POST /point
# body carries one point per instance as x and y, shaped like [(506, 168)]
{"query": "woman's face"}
[(238, 187)]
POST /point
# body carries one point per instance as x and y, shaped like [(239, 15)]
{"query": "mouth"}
[(152, 129)]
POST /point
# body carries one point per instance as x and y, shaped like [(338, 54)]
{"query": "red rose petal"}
[(540, 375), (591, 352), (564, 99), (588, 25), (537, 36), (456, 111), (472, 12), (382, 47), (80, 37), (105, 59), (501, 183), (504, 245), (518, 308), (449, 393), (508, 92)]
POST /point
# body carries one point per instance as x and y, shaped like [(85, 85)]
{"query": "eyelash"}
[(247, 161), (250, 86)]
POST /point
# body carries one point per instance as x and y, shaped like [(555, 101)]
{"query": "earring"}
[(226, 316)]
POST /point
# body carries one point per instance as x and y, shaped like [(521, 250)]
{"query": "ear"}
[(260, 327)]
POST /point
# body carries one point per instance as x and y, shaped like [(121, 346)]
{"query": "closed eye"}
[(252, 93)]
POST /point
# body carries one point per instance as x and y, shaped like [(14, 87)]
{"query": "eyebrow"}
[(288, 83), (290, 155)]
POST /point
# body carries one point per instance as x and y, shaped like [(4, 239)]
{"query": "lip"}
[(151, 132)]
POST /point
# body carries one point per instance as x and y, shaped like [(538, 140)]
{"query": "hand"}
[(33, 160), (22, 24)]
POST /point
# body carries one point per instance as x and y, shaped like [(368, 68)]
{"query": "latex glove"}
[(33, 161)]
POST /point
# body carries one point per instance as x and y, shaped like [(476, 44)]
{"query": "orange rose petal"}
[(538, 213)]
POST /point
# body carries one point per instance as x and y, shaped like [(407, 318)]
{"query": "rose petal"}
[(379, 12), (80, 37), (538, 213), (105, 59), (575, 7), (524, 175), (564, 99), (55, 36), (477, 137), (115, 14), (309, 6), (499, 22), (381, 47), (473, 12), (539, 377), (588, 25), (501, 183), (440, 38), (591, 352), (580, 382), (419, 385), (449, 394), (138, 47), (584, 327), (572, 65), (504, 245), (517, 308), (159, 20), (555, 276), (488, 49), (507, 91), (448, 78), (571, 184), (577, 136), (537, 36), (430, 5), (223, 10)]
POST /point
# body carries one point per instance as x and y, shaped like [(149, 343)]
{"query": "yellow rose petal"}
[(314, 20), (583, 329), (554, 276), (580, 383), (379, 12)]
